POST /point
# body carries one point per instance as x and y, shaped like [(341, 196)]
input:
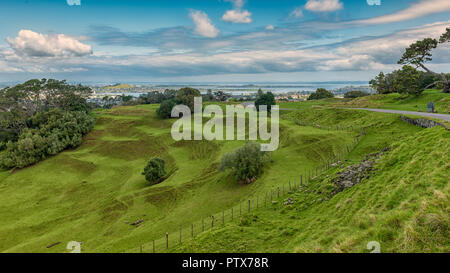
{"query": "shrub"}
[(165, 109), (321, 93), (155, 170), (246, 162), (355, 94)]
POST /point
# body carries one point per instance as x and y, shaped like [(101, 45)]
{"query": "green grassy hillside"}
[(93, 193), (403, 205), (397, 101)]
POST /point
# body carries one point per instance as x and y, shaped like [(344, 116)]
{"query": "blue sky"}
[(213, 40)]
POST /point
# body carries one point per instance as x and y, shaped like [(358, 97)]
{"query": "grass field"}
[(403, 205), (397, 101), (93, 193)]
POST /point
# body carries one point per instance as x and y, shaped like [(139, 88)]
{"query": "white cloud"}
[(370, 54), (74, 2), (237, 15), (297, 12), (323, 5), (270, 27), (33, 44), (203, 25), (416, 10)]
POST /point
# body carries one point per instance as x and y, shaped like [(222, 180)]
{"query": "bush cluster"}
[(355, 94), (246, 162), (321, 93), (50, 133), (155, 170)]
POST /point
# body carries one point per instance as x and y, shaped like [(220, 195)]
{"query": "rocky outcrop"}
[(354, 174), (423, 122)]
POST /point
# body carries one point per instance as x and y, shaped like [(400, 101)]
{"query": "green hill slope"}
[(94, 193), (403, 205), (397, 101)]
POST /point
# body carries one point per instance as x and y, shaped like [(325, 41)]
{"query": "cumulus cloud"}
[(74, 2), (416, 10), (33, 44), (203, 25), (323, 5), (237, 15), (270, 27)]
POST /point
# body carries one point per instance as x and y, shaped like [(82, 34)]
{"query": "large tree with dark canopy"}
[(267, 99), (186, 97), (419, 53)]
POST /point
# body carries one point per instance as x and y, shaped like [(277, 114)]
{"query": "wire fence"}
[(207, 223)]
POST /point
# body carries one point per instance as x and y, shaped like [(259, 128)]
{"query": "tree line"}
[(40, 118)]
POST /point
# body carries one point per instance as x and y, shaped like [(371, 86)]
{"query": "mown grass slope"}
[(403, 205), (93, 193)]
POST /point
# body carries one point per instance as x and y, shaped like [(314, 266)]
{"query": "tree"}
[(321, 93), (155, 170), (20, 102), (186, 97), (419, 53), (267, 99), (408, 81), (355, 94), (379, 83), (165, 109), (246, 162)]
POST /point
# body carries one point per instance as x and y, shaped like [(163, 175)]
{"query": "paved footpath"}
[(431, 115)]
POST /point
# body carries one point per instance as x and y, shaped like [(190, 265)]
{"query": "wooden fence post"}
[(167, 240), (290, 184), (278, 193), (212, 221), (231, 214), (301, 180), (240, 209), (248, 205)]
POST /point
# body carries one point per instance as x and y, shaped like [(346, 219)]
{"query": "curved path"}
[(431, 115)]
